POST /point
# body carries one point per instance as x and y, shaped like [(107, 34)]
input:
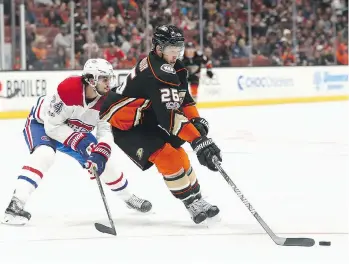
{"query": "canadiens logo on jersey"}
[(79, 126)]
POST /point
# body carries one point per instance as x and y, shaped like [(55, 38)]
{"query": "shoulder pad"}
[(179, 64), (163, 72), (181, 70), (70, 91)]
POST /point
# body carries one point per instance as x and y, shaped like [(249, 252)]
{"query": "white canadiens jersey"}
[(66, 112)]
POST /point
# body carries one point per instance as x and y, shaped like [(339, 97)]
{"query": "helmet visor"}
[(176, 49), (107, 79)]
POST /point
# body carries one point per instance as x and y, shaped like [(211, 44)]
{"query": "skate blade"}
[(214, 220), (14, 220), (137, 212)]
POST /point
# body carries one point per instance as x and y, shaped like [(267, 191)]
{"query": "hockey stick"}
[(281, 241), (103, 228), (12, 95)]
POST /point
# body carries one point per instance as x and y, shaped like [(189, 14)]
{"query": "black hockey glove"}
[(201, 125), (205, 149), (209, 73)]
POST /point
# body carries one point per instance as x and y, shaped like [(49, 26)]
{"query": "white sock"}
[(32, 173)]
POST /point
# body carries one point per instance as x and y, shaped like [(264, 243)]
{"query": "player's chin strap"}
[(94, 87)]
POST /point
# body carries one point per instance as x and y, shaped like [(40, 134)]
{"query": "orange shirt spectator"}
[(342, 54), (39, 48), (128, 63), (288, 58), (109, 17)]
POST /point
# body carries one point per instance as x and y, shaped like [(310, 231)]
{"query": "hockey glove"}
[(209, 73), (98, 158), (82, 143), (201, 125), (205, 149)]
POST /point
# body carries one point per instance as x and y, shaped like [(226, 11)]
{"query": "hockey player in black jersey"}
[(193, 61), (152, 114)]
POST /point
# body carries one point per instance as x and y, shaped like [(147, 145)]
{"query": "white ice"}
[(290, 161)]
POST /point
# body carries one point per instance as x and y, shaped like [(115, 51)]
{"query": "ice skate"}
[(15, 215), (209, 209), (138, 204), (196, 211)]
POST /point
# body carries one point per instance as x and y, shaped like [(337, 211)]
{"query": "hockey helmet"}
[(168, 35), (95, 69)]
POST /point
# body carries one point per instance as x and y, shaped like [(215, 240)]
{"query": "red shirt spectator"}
[(114, 54)]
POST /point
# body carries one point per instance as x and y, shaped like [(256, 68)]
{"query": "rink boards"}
[(229, 87)]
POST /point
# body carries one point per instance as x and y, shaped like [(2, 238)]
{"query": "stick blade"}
[(299, 242), (105, 229)]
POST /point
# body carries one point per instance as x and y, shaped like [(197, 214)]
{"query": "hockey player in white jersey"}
[(64, 122)]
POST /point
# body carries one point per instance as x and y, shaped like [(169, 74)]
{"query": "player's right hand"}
[(98, 158), (205, 149)]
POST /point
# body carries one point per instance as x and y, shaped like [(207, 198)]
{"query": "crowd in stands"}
[(281, 32)]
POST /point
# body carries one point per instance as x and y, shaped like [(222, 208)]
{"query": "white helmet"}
[(97, 68)]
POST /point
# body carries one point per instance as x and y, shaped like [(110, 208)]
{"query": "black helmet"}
[(167, 35)]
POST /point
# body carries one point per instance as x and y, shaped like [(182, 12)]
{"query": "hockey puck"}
[(325, 243)]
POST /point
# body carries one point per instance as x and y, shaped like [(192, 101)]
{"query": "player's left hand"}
[(209, 73), (201, 125), (98, 158)]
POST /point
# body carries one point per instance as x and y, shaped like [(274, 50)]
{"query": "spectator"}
[(40, 51), (109, 17), (61, 59), (86, 34), (30, 33), (239, 49), (63, 39), (29, 13), (288, 58), (114, 54), (91, 50), (319, 35), (130, 61), (80, 17), (342, 54), (79, 50), (111, 34), (52, 17), (101, 35)]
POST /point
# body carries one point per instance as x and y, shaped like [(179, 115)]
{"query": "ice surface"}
[(290, 161)]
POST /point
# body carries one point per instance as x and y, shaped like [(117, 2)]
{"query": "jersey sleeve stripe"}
[(112, 105), (139, 112), (115, 107)]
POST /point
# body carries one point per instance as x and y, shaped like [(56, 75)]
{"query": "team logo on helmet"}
[(164, 28)]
